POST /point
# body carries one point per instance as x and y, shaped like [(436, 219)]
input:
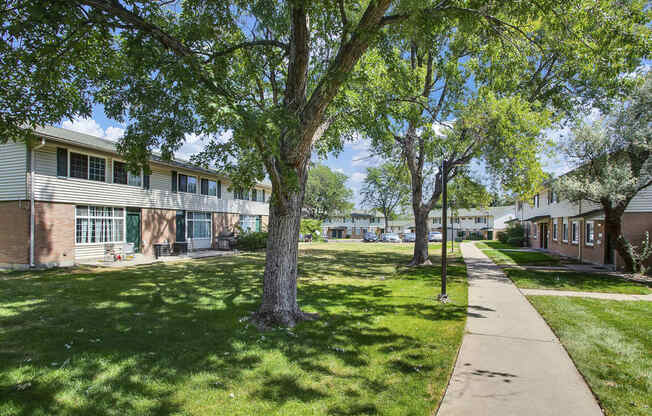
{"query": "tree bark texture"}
[(279, 306), (420, 256), (613, 229)]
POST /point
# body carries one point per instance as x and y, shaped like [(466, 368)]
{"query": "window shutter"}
[(145, 181), (204, 186), (219, 189), (62, 161), (174, 181), (263, 196)]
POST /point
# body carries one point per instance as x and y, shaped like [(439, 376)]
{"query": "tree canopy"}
[(326, 193), (386, 188), (487, 91)]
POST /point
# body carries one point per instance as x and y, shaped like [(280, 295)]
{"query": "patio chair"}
[(109, 252)]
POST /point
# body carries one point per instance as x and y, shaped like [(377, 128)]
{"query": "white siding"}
[(94, 251), (49, 187), (45, 161), (160, 179), (13, 171), (80, 191)]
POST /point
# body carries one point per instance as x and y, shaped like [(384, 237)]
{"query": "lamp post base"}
[(443, 298)]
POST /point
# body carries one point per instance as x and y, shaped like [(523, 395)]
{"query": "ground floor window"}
[(554, 230), (250, 223), (574, 231), (199, 224), (590, 231), (565, 231), (95, 224), (534, 230)]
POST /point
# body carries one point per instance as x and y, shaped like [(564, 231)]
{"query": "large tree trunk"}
[(386, 222), (420, 256), (279, 305), (613, 229)]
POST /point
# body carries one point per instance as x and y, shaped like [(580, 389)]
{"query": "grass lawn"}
[(583, 282), (522, 258), (496, 245), (173, 338), (610, 343)]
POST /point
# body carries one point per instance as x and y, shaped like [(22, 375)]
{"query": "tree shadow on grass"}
[(127, 340)]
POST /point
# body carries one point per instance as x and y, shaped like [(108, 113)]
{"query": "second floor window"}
[(122, 176), (209, 187), (87, 167), (535, 201), (187, 184)]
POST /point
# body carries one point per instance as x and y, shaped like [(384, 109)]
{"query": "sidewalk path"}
[(510, 362), (596, 295)]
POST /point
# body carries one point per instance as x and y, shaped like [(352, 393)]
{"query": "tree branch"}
[(297, 77), (252, 44)]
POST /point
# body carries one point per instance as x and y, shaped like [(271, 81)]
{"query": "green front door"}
[(258, 219), (133, 229), (181, 226)]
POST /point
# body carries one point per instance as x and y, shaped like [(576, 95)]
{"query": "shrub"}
[(502, 237), (310, 226), (252, 241), (515, 234), (640, 254)]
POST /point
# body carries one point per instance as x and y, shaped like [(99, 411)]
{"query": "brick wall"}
[(54, 237), (157, 226), (223, 221), (559, 246), (14, 233), (635, 224)]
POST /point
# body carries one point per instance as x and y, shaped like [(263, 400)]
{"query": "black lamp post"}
[(443, 297)]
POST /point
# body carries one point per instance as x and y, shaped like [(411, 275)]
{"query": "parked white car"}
[(390, 238), (434, 236)]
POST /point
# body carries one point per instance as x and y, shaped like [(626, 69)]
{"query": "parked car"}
[(369, 237), (434, 236), (390, 238), (409, 238)]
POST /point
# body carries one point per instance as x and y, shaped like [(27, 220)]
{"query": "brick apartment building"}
[(83, 198), (576, 229)]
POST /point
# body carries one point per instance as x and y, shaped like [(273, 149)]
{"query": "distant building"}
[(482, 223)]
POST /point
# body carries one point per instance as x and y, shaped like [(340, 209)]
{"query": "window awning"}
[(538, 218)]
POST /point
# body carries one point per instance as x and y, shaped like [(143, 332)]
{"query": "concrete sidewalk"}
[(510, 362)]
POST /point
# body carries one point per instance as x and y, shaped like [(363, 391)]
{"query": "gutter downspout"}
[(32, 218)]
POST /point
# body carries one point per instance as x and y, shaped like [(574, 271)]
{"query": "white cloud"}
[(92, 127), (195, 143), (84, 125), (114, 133), (357, 177), (360, 143)]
